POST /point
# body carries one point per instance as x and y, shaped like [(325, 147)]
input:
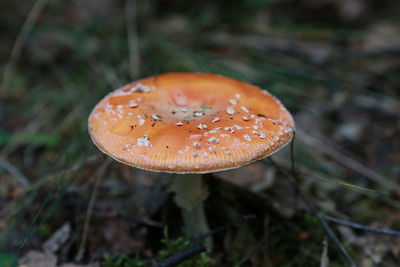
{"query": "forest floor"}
[(334, 64)]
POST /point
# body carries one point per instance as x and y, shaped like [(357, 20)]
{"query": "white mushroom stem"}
[(190, 194)]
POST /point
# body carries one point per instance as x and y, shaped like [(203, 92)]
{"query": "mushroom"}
[(190, 124)]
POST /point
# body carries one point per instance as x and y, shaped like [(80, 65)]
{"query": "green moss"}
[(8, 260), (173, 246)]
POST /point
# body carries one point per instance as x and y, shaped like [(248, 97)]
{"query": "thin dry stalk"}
[(293, 181), (99, 175), (73, 169), (21, 40), (381, 231), (346, 161), (320, 176), (133, 41), (18, 175)]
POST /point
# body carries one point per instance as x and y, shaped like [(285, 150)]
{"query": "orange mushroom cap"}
[(189, 123)]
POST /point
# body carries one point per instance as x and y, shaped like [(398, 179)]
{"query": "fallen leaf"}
[(58, 238), (94, 264), (38, 259)]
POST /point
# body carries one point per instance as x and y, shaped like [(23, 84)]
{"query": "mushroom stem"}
[(190, 194)]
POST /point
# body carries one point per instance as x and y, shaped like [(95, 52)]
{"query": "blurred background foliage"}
[(334, 63)]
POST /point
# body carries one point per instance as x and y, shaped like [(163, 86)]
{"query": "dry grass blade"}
[(293, 181), (381, 231), (346, 161), (22, 179), (73, 169), (317, 175), (99, 175), (21, 39), (133, 46), (328, 230), (257, 249), (324, 256)]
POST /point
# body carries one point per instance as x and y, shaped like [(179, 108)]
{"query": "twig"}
[(347, 161), (183, 255), (382, 231), (99, 174), (140, 221), (14, 172), (133, 46), (21, 39)]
